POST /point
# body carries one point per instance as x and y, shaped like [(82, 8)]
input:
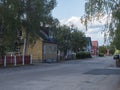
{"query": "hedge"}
[(101, 54), (82, 55)]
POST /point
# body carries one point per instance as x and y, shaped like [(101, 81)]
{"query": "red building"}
[(95, 48)]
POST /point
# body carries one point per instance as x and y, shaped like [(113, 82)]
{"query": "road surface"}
[(98, 73)]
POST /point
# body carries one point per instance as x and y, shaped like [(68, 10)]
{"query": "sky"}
[(70, 11), (67, 8)]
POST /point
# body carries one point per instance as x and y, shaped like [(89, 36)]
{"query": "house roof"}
[(95, 43), (46, 38), (89, 41)]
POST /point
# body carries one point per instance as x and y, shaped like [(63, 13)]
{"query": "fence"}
[(15, 60)]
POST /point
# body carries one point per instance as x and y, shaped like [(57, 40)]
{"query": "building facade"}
[(95, 47), (45, 47), (89, 44)]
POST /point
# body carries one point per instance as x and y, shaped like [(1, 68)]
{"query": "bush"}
[(82, 55), (101, 54)]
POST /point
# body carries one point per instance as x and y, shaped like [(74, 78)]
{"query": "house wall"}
[(50, 51), (95, 50), (89, 44), (42, 51), (36, 50), (95, 46), (89, 48)]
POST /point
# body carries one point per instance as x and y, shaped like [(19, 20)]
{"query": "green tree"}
[(111, 49), (78, 41), (116, 39), (69, 39), (99, 8), (26, 15), (103, 49), (63, 36)]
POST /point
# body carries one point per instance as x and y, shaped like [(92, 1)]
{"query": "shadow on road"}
[(104, 72)]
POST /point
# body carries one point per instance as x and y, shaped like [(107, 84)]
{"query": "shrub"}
[(82, 55), (101, 54)]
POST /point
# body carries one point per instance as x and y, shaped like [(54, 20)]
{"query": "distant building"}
[(95, 48), (89, 45)]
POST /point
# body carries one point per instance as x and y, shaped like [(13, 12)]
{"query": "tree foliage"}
[(63, 36), (26, 15), (103, 49), (69, 39), (111, 8), (78, 41)]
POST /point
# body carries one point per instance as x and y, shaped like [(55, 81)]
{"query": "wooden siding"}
[(50, 51), (36, 50)]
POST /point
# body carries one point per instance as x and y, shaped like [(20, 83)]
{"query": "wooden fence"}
[(15, 60)]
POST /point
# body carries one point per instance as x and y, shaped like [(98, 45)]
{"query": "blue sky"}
[(67, 8), (68, 11)]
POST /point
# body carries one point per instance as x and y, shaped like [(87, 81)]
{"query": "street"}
[(98, 73)]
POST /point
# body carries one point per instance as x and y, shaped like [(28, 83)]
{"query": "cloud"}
[(95, 28), (73, 21), (96, 35)]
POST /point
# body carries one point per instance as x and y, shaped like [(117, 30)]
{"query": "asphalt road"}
[(90, 74)]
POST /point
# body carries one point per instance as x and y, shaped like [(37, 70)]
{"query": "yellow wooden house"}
[(45, 48)]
